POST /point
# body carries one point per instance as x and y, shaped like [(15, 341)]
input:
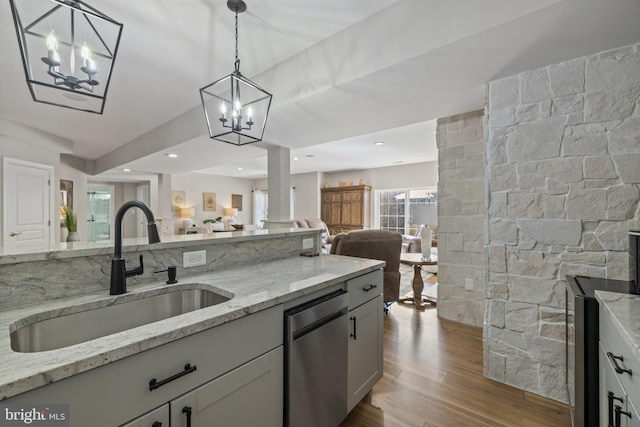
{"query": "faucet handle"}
[(137, 271)]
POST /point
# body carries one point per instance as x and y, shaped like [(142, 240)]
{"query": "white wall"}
[(402, 176), (306, 195), (194, 184)]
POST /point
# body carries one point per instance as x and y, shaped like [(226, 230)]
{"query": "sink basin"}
[(77, 324)]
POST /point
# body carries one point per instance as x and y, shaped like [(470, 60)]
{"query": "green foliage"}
[(70, 220), (207, 221)]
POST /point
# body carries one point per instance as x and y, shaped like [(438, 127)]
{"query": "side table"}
[(416, 260)]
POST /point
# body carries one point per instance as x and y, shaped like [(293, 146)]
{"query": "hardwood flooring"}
[(433, 377)]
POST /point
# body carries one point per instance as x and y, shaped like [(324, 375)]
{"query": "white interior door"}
[(27, 201), (142, 194)]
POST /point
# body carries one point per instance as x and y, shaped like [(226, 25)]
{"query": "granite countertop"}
[(253, 288), (624, 309), (29, 253)]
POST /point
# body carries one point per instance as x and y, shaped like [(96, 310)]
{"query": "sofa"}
[(317, 223), (413, 243), (382, 245)]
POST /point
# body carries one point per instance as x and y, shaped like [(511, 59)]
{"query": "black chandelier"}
[(235, 108), (56, 32)]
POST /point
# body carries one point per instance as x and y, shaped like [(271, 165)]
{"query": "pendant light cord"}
[(237, 60)]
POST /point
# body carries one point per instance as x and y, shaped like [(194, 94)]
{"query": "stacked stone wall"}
[(461, 218), (563, 179)]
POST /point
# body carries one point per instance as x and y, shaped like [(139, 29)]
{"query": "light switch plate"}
[(470, 284), (194, 258)]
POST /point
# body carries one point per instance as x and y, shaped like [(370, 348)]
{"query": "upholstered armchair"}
[(382, 245)]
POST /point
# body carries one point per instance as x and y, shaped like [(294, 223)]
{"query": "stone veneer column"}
[(563, 170), (461, 218)]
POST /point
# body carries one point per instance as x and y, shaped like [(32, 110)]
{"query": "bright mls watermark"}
[(34, 415)]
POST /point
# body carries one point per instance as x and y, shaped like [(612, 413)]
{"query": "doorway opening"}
[(99, 212)]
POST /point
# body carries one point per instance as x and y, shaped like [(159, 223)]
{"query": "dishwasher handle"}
[(315, 313)]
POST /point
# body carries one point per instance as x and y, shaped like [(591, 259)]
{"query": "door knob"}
[(12, 234)]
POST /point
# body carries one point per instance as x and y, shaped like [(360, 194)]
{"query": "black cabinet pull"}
[(612, 397), (187, 411), (353, 335), (368, 288), (619, 413), (614, 360), (156, 424), (154, 384)]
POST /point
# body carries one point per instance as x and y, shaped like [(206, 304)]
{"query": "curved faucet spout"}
[(119, 273)]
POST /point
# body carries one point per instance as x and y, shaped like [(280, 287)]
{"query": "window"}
[(405, 210)]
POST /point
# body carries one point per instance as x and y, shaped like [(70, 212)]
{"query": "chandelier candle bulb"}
[(52, 42)]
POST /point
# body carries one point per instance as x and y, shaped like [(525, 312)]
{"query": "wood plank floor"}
[(433, 377)]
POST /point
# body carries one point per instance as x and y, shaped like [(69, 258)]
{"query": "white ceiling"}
[(344, 74)]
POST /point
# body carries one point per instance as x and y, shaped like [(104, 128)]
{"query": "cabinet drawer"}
[(364, 288), (611, 392), (613, 342), (118, 392)]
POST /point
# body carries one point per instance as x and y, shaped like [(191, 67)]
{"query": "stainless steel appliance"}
[(316, 343), (582, 344)]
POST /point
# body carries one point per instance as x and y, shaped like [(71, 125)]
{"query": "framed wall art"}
[(236, 201), (208, 201), (178, 200)]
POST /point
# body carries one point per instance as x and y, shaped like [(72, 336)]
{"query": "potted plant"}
[(71, 222), (216, 223)]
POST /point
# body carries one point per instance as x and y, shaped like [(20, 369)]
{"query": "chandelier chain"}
[(237, 60)]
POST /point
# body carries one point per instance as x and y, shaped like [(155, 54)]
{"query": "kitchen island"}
[(260, 291)]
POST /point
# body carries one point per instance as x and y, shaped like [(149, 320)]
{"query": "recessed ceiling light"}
[(239, 168), (126, 170), (294, 158), (379, 143), (172, 155)]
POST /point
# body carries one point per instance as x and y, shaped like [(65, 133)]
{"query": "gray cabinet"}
[(250, 395), (119, 392), (619, 368), (365, 335)]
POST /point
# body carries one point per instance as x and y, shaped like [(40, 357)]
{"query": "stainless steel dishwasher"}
[(316, 343)]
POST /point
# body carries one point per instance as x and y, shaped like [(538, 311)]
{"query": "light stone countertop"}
[(624, 309), (30, 253), (254, 288)]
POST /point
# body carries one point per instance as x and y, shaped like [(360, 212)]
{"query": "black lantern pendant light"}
[(235, 108), (55, 34)]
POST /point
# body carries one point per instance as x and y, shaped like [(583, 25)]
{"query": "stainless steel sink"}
[(77, 324)]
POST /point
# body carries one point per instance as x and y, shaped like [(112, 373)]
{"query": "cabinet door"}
[(156, 418), (612, 393), (345, 214), (365, 349), (250, 395)]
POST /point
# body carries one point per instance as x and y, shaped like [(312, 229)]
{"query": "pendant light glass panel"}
[(80, 38)]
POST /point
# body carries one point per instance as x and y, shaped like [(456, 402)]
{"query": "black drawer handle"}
[(619, 412), (612, 397), (187, 411), (617, 367), (156, 424), (154, 384), (353, 335), (368, 288)]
